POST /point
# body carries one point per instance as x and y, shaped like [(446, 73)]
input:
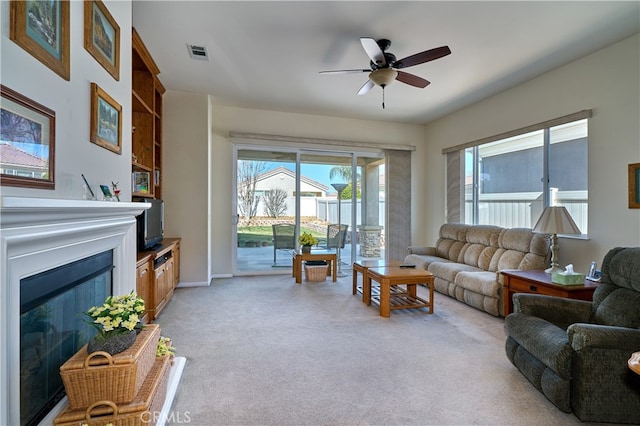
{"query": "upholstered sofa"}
[(576, 352), (466, 261)]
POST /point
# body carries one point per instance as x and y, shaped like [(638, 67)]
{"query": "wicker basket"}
[(103, 377), (316, 273), (143, 410)]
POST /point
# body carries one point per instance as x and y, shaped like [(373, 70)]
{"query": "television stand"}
[(157, 274)]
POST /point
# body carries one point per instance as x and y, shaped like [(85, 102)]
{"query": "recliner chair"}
[(576, 352)]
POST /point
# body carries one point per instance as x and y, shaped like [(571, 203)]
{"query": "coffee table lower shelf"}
[(399, 299)]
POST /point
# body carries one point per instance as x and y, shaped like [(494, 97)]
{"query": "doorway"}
[(280, 193)]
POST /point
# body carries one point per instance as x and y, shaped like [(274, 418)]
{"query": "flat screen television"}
[(150, 224)]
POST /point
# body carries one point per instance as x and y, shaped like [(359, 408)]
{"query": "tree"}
[(248, 172), (274, 202)]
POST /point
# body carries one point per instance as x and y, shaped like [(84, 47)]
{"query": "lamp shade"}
[(556, 220), (339, 186), (383, 76)]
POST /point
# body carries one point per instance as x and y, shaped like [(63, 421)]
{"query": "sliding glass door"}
[(280, 194)]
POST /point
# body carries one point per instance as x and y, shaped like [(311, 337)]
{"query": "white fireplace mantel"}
[(38, 234)]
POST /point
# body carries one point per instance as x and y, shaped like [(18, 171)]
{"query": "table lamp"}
[(555, 220)]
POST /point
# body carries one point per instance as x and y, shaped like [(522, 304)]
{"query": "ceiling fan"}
[(384, 68)]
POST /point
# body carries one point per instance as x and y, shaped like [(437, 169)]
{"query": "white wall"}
[(608, 83), (71, 101)]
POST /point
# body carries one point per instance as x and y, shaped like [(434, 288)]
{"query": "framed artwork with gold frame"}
[(634, 186), (28, 133), (102, 36), (106, 120), (42, 29)]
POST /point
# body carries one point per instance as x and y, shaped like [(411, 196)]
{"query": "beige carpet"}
[(265, 351)]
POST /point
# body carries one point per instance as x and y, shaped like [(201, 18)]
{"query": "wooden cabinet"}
[(146, 96), (158, 275), (539, 282)]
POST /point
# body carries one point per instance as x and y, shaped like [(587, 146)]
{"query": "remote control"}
[(407, 266)]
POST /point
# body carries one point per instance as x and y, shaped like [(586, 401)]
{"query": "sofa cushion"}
[(480, 282), (450, 249), (449, 270), (620, 308), (423, 261), (547, 342)]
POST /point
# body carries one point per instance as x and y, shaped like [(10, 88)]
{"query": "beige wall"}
[(186, 181), (71, 101), (606, 82)]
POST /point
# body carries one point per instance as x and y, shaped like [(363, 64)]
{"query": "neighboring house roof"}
[(12, 156), (288, 172)]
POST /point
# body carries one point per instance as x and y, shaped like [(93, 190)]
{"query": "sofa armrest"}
[(429, 251), (557, 310), (583, 336)]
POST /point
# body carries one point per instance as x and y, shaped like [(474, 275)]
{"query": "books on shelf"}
[(140, 182)]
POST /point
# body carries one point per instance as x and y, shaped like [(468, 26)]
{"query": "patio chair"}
[(336, 237), (284, 238)]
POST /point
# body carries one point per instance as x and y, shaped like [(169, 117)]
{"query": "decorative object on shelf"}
[(102, 36), (106, 192), (634, 186), (116, 321), (42, 29), (140, 182), (88, 192), (106, 120), (307, 240), (116, 191), (28, 134), (555, 220)]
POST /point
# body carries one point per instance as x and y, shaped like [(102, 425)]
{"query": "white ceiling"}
[(267, 55)]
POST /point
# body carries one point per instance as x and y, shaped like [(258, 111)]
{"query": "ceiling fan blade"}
[(373, 50), (412, 80), (422, 57), (366, 87), (344, 71)]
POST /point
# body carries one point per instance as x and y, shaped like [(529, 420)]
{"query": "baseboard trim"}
[(182, 284)]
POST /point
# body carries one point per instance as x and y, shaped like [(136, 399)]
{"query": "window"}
[(509, 181)]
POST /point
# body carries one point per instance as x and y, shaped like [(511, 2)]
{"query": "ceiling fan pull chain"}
[(383, 96)]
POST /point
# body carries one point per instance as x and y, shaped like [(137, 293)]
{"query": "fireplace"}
[(41, 236), (52, 331)]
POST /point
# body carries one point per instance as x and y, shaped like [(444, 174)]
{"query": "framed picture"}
[(42, 29), (140, 182), (106, 192), (106, 120), (102, 36), (27, 150), (634, 186)]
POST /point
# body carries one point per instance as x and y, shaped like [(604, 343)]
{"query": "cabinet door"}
[(158, 290), (176, 265), (143, 287), (170, 279)]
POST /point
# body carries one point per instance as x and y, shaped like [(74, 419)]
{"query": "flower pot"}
[(111, 343), (306, 249)]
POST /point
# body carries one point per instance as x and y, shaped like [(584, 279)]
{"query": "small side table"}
[(363, 265), (298, 257), (539, 282)]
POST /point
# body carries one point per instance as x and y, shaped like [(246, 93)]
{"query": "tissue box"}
[(567, 279)]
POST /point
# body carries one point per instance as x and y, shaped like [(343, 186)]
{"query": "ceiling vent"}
[(198, 52)]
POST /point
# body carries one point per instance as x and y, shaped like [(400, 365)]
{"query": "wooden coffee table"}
[(391, 296), (363, 265), (298, 257)]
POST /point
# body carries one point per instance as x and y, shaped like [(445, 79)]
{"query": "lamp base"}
[(554, 269)]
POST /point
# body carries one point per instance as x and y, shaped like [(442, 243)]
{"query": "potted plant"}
[(307, 240), (116, 321)]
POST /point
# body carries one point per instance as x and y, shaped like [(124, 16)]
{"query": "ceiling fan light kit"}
[(384, 66)]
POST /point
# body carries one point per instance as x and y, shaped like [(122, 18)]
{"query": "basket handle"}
[(98, 353), (113, 406)]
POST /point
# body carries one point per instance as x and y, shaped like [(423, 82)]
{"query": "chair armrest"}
[(583, 336), (557, 310), (430, 251)]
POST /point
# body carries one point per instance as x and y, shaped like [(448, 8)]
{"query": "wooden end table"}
[(539, 282), (362, 266), (392, 297), (298, 257)]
